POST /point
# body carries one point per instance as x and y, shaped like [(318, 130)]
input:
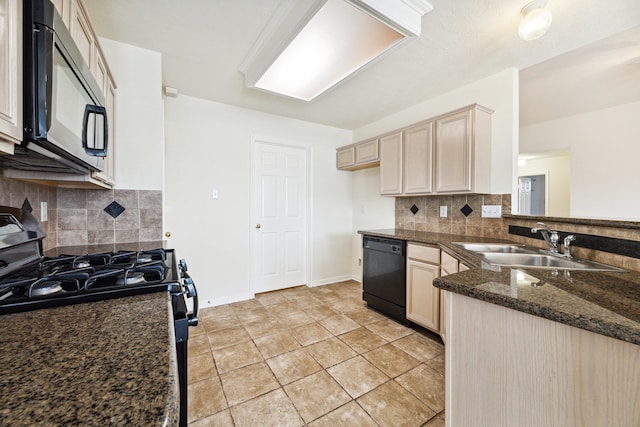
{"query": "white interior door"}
[(279, 195)]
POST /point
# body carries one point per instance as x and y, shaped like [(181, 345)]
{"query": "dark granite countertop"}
[(606, 303), (95, 364)]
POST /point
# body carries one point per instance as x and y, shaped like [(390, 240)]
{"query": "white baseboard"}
[(334, 280), (226, 300)]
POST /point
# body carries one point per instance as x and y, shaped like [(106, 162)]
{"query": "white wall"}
[(604, 158), (498, 92), (208, 146), (139, 125)]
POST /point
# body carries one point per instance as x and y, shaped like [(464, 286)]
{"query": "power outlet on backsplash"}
[(491, 211)]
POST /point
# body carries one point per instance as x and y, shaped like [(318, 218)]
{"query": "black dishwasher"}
[(384, 275)]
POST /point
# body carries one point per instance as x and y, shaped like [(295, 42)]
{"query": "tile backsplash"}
[(87, 217), (422, 213)]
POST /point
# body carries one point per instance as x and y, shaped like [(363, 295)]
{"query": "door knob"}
[(258, 226), (167, 234)]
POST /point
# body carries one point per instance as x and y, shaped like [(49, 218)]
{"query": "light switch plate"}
[(491, 211), (443, 211)]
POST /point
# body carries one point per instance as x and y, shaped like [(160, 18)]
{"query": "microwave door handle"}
[(43, 51), (91, 112)]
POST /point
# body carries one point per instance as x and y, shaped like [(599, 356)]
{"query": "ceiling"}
[(203, 43)]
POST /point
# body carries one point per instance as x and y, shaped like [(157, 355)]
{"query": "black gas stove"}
[(31, 281)]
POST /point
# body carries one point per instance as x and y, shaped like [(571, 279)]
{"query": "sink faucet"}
[(567, 245), (550, 236)]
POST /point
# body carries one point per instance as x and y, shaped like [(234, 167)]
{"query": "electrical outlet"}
[(491, 211), (359, 262), (443, 211), (43, 212)]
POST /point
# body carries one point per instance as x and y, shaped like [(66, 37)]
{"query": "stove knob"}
[(190, 289), (183, 265)]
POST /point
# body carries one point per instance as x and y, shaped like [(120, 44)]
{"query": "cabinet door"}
[(82, 34), (367, 151), (423, 299), (108, 175), (63, 7), (345, 157), (418, 159), (10, 74), (391, 164), (454, 167)]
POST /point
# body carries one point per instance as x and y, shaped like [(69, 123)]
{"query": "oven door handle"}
[(191, 292)]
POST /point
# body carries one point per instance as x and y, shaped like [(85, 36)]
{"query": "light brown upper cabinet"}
[(391, 164), (418, 159), (82, 33), (463, 148), (358, 156), (10, 74)]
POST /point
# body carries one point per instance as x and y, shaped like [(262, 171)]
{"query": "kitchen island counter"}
[(607, 303), (102, 363)]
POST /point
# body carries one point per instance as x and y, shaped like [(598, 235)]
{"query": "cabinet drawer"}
[(424, 253)]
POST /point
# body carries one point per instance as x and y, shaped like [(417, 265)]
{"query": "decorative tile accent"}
[(114, 209), (414, 209), (26, 206), (466, 210)]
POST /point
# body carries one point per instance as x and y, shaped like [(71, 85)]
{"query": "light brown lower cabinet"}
[(508, 368), (423, 299)]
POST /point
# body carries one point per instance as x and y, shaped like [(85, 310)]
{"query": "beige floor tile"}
[(347, 306), (217, 311), (270, 298), (198, 330), (295, 319), (263, 327), (364, 316), (236, 356), (272, 409), (281, 309), (227, 337), (297, 292), (254, 315), (204, 398), (200, 367), (246, 306), (311, 333), (391, 360), (357, 376), (248, 382), (198, 344), (389, 330), (362, 340), (339, 324), (420, 347), (221, 419), (330, 352), (320, 312), (212, 324), (438, 421), (309, 301), (426, 384), (316, 395), (292, 366), (278, 343), (350, 414), (437, 364), (392, 405)]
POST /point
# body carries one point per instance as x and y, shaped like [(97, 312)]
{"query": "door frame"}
[(307, 256)]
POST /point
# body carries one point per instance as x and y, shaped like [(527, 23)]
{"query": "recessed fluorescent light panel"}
[(339, 39)]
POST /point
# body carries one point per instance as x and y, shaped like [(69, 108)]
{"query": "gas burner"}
[(144, 258), (134, 278), (39, 289), (83, 264)]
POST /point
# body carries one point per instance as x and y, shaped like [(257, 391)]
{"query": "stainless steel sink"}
[(495, 247), (514, 255)]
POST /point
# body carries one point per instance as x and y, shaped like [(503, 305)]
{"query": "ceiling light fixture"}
[(536, 20), (311, 45)]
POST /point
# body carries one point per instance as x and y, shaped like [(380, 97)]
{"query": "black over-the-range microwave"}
[(65, 120)]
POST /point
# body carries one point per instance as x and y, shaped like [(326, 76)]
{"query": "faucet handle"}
[(567, 244)]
